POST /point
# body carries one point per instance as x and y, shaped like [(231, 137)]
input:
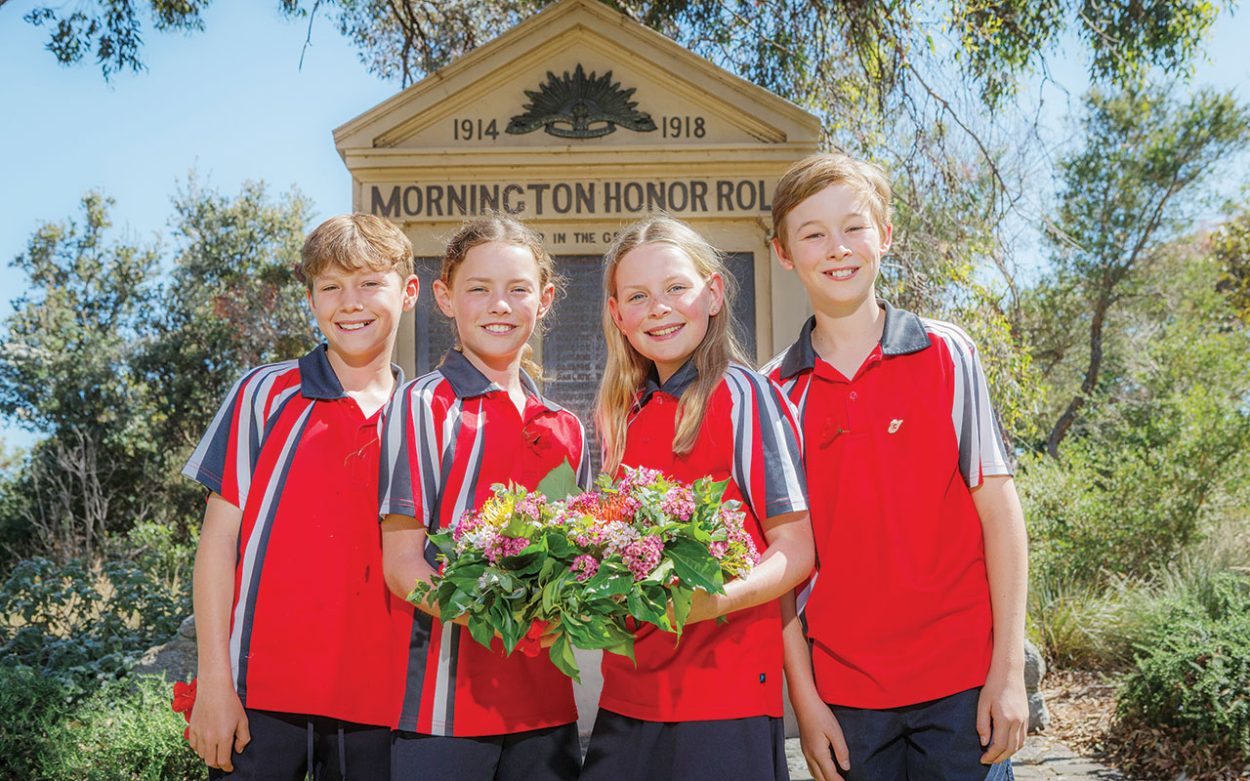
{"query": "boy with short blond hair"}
[(297, 672), (907, 662)]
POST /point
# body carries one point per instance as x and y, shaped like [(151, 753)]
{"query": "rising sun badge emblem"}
[(580, 106)]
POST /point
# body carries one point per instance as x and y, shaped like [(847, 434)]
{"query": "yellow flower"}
[(497, 510)]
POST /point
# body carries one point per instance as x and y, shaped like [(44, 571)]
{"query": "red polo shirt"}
[(312, 614), (717, 671), (450, 435), (899, 611)]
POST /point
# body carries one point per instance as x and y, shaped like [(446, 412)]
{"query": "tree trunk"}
[(1068, 417)]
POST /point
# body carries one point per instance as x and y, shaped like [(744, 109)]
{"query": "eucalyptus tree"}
[(118, 353), (65, 373), (1128, 192)]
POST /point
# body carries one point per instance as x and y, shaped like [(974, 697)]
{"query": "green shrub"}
[(123, 731), (157, 550), (1192, 674), (81, 626), (1100, 625), (31, 708), (1121, 508), (1088, 627)]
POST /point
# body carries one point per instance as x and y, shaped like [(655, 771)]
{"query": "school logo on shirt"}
[(894, 425)]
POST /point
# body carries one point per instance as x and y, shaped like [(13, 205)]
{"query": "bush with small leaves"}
[(125, 730), (1192, 672), (31, 708), (80, 625)]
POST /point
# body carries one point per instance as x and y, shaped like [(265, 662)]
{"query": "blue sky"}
[(233, 104)]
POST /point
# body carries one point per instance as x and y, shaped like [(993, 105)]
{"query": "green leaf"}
[(465, 577), (653, 514), (607, 584), (560, 483), (561, 655), (445, 592), (444, 542), (552, 594), (510, 630), (625, 648), (419, 592), (527, 562), (695, 566), (455, 604), (661, 573), (559, 545), (710, 491), (607, 633), (548, 570), (481, 630), (647, 603), (518, 526), (699, 532), (681, 597)]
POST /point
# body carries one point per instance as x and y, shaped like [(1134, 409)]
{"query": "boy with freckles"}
[(293, 617), (907, 661)]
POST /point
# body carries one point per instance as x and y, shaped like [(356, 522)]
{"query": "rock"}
[(1039, 716), (1034, 666), (176, 659), (1034, 671)]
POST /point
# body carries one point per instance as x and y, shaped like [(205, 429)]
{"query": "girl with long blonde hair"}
[(677, 397)]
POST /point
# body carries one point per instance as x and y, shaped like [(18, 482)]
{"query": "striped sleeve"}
[(410, 466), (767, 459), (225, 458), (584, 476), (982, 451), (794, 389)]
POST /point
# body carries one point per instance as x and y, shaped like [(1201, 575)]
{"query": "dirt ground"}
[(1082, 712)]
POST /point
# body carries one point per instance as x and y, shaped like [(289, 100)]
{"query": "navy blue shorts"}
[(929, 741), (284, 745), (550, 754), (625, 749)]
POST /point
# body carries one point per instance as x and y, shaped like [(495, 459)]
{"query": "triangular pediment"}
[(545, 86)]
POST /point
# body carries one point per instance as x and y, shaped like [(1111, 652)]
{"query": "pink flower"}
[(531, 506), (502, 547), (741, 537), (639, 478), (678, 502), (643, 556), (585, 566), (467, 523), (583, 503), (717, 548)]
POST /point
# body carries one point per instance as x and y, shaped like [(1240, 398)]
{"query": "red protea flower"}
[(184, 701), (614, 507)]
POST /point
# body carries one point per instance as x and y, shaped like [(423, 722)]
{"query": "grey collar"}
[(902, 334)]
